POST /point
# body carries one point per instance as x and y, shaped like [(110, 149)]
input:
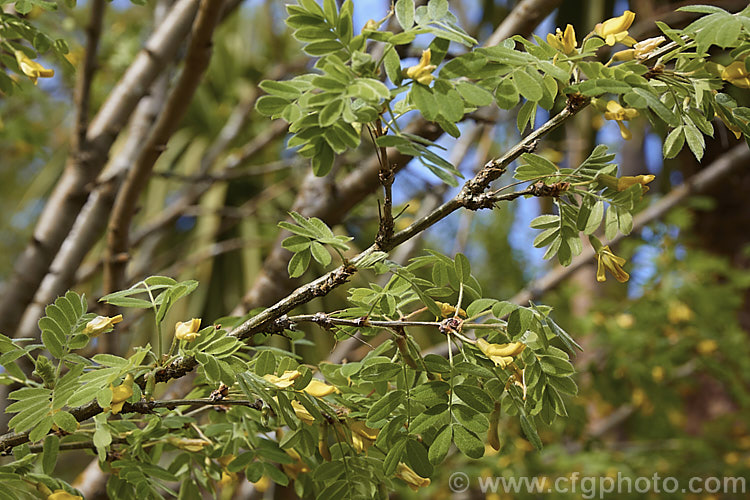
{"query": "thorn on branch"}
[(451, 325), (576, 102), (323, 320), (531, 146), (277, 326)]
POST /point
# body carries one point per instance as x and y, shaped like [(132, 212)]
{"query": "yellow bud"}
[(63, 495), (643, 48), (32, 69), (414, 480), (101, 324), (447, 310), (626, 181), (187, 444), (737, 74)]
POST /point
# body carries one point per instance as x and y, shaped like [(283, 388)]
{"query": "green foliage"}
[(309, 237), (350, 429)]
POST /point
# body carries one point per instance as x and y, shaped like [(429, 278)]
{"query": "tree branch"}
[(86, 75), (469, 197), (81, 169), (196, 62), (720, 169)]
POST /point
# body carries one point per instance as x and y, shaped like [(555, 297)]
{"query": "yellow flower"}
[(679, 312), (319, 389), (362, 436), (447, 310), (32, 69), (610, 261), (626, 181), (187, 444), (500, 354), (727, 122), (564, 42), (616, 29), (294, 469), (101, 324), (625, 320), (414, 480), (737, 74), (302, 412), (187, 330), (286, 379), (422, 72), (63, 495), (227, 478), (620, 115), (121, 393), (707, 346), (262, 484)]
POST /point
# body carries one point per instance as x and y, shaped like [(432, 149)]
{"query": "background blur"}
[(665, 376)]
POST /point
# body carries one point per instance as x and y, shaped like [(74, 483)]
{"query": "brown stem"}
[(386, 176)]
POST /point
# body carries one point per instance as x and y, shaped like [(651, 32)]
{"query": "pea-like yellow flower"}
[(620, 114), (707, 346), (500, 354), (679, 312), (414, 480), (626, 181), (616, 29), (286, 379), (565, 42), (362, 436), (121, 393), (319, 389), (32, 69), (101, 324), (727, 122), (422, 72), (187, 330), (298, 467), (189, 444), (447, 310), (302, 413), (608, 260), (737, 74), (63, 495)]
